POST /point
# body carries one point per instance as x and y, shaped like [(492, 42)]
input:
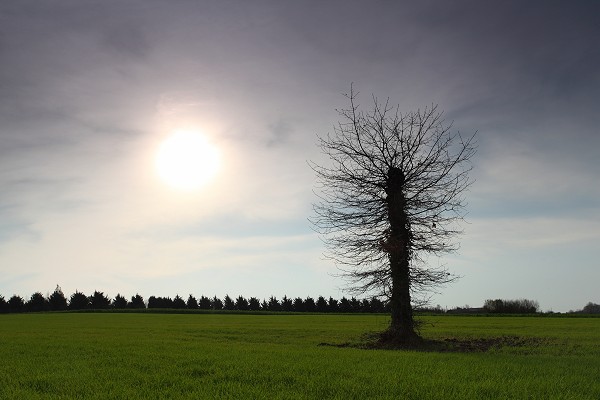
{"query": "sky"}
[(90, 89)]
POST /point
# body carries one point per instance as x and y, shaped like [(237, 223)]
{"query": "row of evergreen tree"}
[(57, 301)]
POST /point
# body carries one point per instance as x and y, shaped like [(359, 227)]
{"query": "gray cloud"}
[(280, 132), (87, 88)]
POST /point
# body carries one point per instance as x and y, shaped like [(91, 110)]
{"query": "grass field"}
[(220, 356)]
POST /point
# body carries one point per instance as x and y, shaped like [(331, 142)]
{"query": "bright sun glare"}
[(186, 160)]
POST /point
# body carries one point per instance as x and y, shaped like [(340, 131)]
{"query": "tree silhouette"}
[(137, 301), (98, 301), (591, 308), (520, 306), (264, 305), (178, 302), (204, 303), (154, 302), (365, 306), (332, 305), (191, 303), (344, 305), (299, 305), (16, 304), (228, 303), (355, 305), (377, 306), (321, 304), (3, 305), (392, 193), (57, 300), (79, 301), (253, 304), (274, 304), (119, 302), (287, 304), (241, 303), (216, 303), (309, 304), (37, 302)]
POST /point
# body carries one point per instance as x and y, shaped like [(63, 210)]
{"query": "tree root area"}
[(382, 341)]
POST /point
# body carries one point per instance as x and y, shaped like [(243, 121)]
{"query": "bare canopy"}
[(392, 192)]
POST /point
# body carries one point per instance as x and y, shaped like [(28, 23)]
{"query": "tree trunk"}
[(398, 245)]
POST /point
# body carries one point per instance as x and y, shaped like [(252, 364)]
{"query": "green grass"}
[(221, 356)]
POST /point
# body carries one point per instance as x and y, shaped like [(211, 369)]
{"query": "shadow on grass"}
[(382, 341)]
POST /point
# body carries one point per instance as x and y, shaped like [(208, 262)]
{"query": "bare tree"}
[(392, 193)]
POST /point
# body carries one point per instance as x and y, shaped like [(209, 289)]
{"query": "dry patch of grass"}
[(383, 341)]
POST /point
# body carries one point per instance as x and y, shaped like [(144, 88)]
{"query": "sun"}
[(186, 160)]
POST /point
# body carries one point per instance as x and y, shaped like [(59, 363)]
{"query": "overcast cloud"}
[(88, 89)]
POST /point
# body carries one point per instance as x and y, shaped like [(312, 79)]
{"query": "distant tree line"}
[(57, 301), (590, 308), (287, 304), (499, 306), (520, 306)]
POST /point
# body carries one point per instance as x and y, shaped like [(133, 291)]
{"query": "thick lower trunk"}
[(402, 327)]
